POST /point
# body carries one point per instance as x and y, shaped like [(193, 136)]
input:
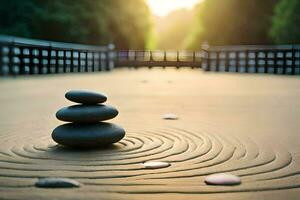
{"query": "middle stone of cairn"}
[(86, 128)]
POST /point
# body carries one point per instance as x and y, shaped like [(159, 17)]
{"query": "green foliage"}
[(129, 23), (124, 23), (286, 22), (13, 18), (230, 22)]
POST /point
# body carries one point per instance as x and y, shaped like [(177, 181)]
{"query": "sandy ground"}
[(244, 124)]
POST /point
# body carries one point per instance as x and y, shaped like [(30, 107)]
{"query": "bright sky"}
[(164, 7)]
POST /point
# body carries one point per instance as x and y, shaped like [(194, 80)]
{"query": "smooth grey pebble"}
[(85, 97), (86, 113), (87, 135), (56, 183)]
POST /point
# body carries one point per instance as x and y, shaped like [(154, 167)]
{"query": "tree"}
[(15, 15), (130, 23), (286, 22), (232, 22), (127, 24)]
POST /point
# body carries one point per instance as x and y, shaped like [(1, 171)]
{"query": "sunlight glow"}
[(164, 7)]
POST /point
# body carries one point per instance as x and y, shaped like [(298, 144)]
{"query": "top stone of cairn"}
[(85, 97)]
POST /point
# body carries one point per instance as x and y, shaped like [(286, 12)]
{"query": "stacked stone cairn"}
[(86, 128)]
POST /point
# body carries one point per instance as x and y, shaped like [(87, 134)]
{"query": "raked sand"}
[(243, 124)]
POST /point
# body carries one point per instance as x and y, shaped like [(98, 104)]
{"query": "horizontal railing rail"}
[(19, 56)]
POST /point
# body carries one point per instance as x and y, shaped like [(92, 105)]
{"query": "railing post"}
[(72, 60), (107, 60), (293, 61), (127, 57), (49, 56), (151, 56), (64, 61), (256, 61), (135, 59), (1, 59), (31, 63), (135, 56), (79, 61), (284, 62), (10, 58), (297, 60), (275, 62), (165, 59), (208, 61), (266, 66), (21, 58), (194, 56), (103, 60), (86, 62), (93, 61), (151, 59), (247, 61), (237, 61), (56, 65), (217, 61), (227, 61), (194, 59), (201, 58), (100, 61), (40, 59)]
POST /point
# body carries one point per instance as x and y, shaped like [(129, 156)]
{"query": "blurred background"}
[(154, 24)]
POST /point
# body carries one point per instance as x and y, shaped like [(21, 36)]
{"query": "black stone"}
[(86, 113), (56, 183), (85, 97), (87, 135)]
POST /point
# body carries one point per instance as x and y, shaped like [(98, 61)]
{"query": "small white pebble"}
[(170, 117), (156, 164), (222, 179)]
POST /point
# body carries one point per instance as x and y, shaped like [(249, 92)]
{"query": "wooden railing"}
[(253, 59), (21, 56), (159, 59)]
